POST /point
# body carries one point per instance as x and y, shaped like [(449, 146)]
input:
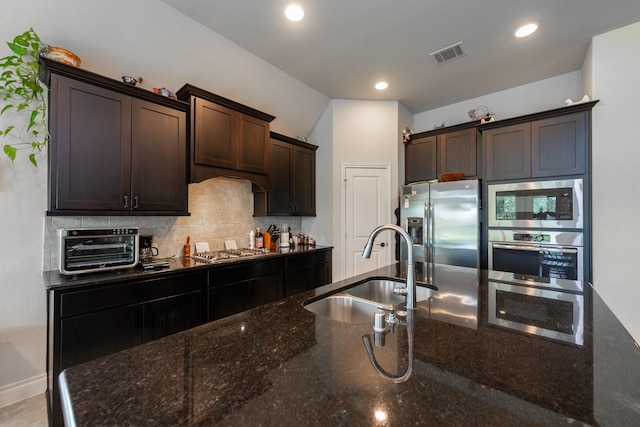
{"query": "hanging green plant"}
[(22, 93)]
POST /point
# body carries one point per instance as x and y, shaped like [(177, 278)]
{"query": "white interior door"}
[(367, 205)]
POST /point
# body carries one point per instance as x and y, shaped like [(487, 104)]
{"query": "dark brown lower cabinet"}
[(235, 297), (167, 316), (94, 335), (98, 320), (237, 288), (87, 322), (305, 272)]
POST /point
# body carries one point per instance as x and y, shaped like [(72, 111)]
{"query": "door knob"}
[(383, 244)]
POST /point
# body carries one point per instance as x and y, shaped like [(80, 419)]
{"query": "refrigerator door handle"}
[(429, 237)]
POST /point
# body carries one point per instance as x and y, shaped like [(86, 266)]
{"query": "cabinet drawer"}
[(104, 297), (304, 260), (245, 271)]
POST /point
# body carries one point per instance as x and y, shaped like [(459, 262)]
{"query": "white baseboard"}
[(21, 390)]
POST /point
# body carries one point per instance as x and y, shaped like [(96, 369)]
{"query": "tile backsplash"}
[(221, 209)]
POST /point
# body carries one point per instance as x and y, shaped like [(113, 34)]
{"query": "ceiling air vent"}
[(448, 54)]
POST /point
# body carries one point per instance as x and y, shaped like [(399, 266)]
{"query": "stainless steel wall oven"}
[(549, 313), (553, 259)]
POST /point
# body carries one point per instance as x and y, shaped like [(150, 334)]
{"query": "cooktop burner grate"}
[(228, 255)]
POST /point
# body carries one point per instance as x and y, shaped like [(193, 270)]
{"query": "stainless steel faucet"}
[(410, 290)]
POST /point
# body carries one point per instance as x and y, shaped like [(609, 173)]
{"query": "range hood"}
[(227, 139)]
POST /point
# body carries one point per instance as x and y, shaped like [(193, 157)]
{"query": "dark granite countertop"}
[(280, 364), (54, 280)]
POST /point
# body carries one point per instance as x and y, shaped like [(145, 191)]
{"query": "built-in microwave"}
[(548, 313), (537, 204)]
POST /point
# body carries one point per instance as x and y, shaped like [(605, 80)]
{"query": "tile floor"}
[(31, 412)]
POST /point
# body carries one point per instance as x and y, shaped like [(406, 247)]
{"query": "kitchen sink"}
[(381, 290), (358, 303), (344, 308)]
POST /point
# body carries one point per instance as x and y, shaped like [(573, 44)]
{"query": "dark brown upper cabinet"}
[(227, 138), (420, 158), (508, 151), (553, 146), (292, 179), (115, 149), (432, 153)]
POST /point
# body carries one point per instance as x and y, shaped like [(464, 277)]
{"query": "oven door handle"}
[(543, 249)]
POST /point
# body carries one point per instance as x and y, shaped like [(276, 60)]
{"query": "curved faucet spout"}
[(411, 273)]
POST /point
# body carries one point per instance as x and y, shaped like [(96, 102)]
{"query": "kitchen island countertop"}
[(280, 364)]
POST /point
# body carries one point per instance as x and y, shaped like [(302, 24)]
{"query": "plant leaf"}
[(17, 49), (32, 119), (22, 39), (20, 82), (10, 152)]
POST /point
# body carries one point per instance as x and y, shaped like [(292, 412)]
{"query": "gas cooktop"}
[(228, 255)]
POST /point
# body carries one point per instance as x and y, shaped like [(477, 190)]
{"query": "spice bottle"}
[(259, 239)]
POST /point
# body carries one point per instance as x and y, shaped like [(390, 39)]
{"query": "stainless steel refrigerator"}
[(443, 220)]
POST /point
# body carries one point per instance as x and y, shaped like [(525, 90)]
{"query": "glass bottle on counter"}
[(292, 244), (259, 239)]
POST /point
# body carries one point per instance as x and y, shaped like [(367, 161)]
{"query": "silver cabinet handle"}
[(135, 203), (126, 202), (535, 248)]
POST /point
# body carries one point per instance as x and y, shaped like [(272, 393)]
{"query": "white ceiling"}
[(343, 47)]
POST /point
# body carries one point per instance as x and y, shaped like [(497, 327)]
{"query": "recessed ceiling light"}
[(526, 30), (382, 85), (293, 12)]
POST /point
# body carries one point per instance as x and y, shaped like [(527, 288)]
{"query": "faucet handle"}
[(379, 324), (400, 290), (391, 316)]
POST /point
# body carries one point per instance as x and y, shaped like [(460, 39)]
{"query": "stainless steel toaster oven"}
[(85, 250)]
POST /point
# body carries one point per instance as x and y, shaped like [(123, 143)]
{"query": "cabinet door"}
[(159, 166), (264, 290), (420, 159), (170, 315), (559, 145), (90, 154), (458, 152), (216, 135), (227, 299), (299, 280), (304, 181), (253, 147), (508, 152), (307, 271), (280, 178), (94, 335), (323, 274)]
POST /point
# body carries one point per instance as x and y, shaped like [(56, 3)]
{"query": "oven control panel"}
[(532, 237)]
